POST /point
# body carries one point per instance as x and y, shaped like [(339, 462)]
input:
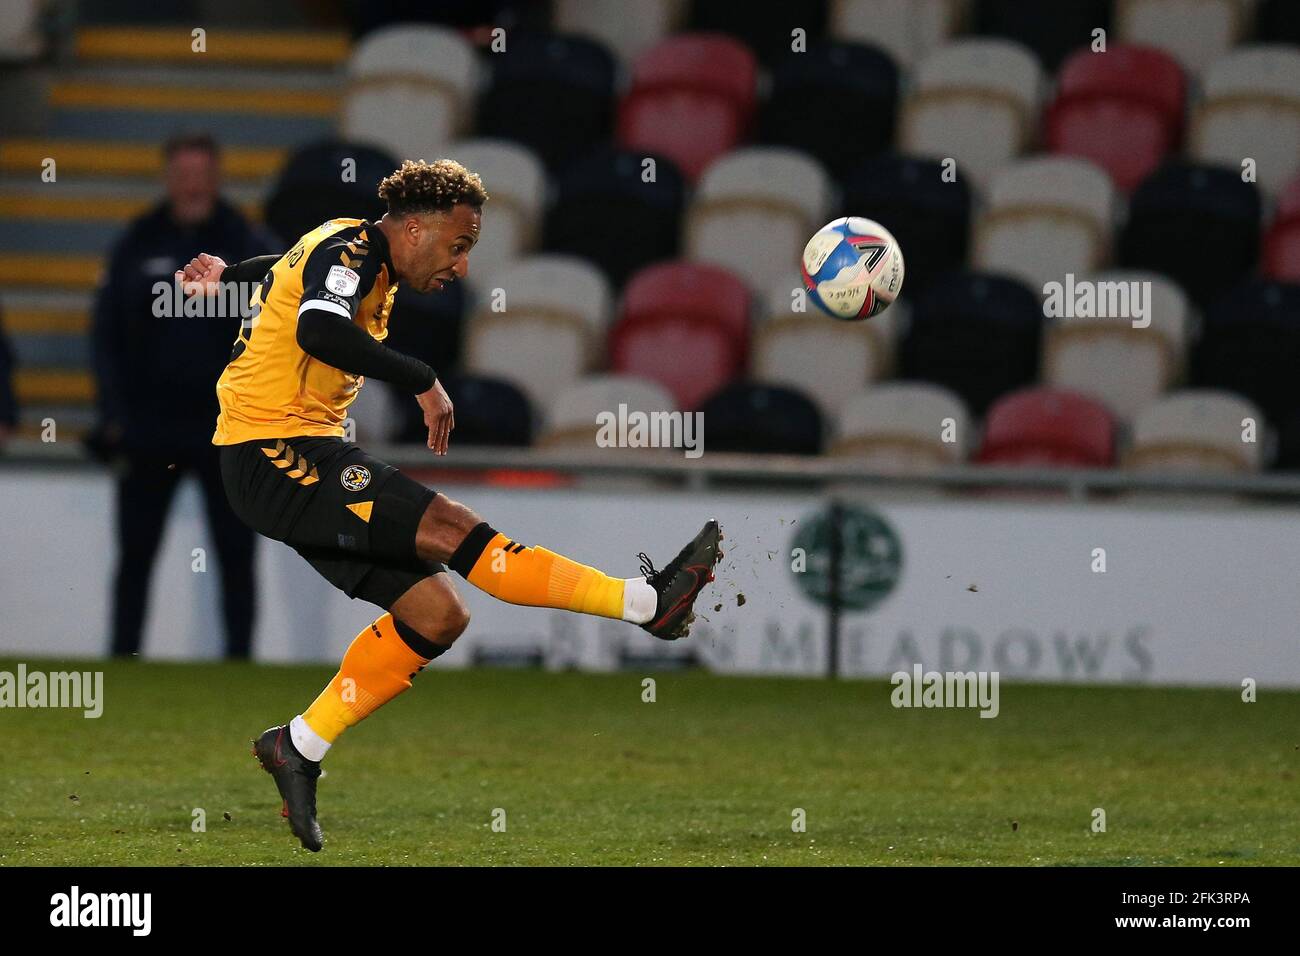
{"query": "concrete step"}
[(23, 158), (175, 44)]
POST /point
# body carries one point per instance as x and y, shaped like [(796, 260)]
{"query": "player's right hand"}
[(202, 275), (438, 417)]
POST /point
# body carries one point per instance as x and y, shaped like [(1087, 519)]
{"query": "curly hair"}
[(418, 187)]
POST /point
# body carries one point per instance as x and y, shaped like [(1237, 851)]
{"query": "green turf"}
[(709, 774)]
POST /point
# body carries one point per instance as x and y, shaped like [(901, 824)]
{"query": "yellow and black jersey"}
[(273, 387)]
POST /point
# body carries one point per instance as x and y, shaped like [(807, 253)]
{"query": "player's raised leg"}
[(660, 601)]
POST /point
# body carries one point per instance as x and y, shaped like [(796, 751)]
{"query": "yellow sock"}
[(377, 667), (540, 578)]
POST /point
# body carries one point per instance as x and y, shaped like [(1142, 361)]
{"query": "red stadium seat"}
[(692, 99), (684, 325), (1048, 427), (1123, 110), (1281, 259)]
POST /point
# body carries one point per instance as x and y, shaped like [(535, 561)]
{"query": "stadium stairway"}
[(107, 111)]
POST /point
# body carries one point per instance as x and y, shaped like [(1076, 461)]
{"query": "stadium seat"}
[(311, 189), (832, 86), (757, 418), (976, 334), (899, 428), (1198, 430), (1122, 109), (429, 326), (409, 90), (684, 325), (1194, 32), (571, 418), (1250, 344), (516, 184), (1045, 217), (975, 101), (765, 28), (930, 218), (20, 31), (829, 360), (755, 207), (539, 324), (628, 29), (692, 99), (1105, 357), (1288, 443), (1051, 30), (1278, 21), (554, 94), (489, 411), (905, 29), (1251, 108), (606, 212), (1199, 225), (1048, 427), (1282, 242)]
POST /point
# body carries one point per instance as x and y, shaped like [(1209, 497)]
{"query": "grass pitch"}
[(711, 773)]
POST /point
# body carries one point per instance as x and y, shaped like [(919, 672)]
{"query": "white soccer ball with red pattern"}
[(852, 268)]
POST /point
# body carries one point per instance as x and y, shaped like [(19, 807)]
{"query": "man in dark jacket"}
[(157, 378)]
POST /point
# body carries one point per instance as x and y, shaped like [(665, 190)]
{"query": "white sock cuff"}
[(639, 600), (309, 743)]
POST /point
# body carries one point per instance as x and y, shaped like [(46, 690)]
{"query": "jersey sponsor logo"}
[(342, 280), (355, 477)]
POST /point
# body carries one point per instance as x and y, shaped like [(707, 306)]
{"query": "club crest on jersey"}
[(342, 280), (355, 477)]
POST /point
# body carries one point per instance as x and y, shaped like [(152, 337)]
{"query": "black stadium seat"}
[(1250, 344), (1278, 21), (748, 417), (311, 188), (765, 28), (553, 93), (930, 218), (1197, 224), (606, 213), (489, 411), (975, 333), (832, 87), (1052, 30)]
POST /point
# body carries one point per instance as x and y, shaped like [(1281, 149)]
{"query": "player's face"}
[(442, 248), (192, 183)]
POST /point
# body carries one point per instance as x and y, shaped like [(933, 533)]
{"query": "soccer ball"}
[(852, 268)]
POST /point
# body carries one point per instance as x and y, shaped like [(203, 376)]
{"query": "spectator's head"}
[(193, 175), (433, 220)]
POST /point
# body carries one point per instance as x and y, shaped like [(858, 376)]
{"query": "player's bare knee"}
[(443, 527)]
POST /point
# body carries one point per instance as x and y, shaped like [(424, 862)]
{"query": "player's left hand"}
[(201, 275), (438, 416)]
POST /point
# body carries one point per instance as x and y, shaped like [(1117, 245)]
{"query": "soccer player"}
[(315, 333)]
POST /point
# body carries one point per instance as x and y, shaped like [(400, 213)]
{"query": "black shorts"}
[(352, 516)]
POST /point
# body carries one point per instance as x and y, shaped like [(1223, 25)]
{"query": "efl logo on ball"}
[(852, 268)]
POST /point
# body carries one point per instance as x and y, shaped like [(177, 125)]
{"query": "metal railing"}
[(777, 471)]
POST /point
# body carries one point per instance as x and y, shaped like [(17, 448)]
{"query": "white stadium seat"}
[(628, 29), (905, 29), (515, 181), (1107, 358), (1197, 430), (20, 33), (757, 206), (1045, 217), (410, 90), (976, 101), (553, 312), (898, 428), (829, 360), (1194, 32), (571, 417), (1251, 108)]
